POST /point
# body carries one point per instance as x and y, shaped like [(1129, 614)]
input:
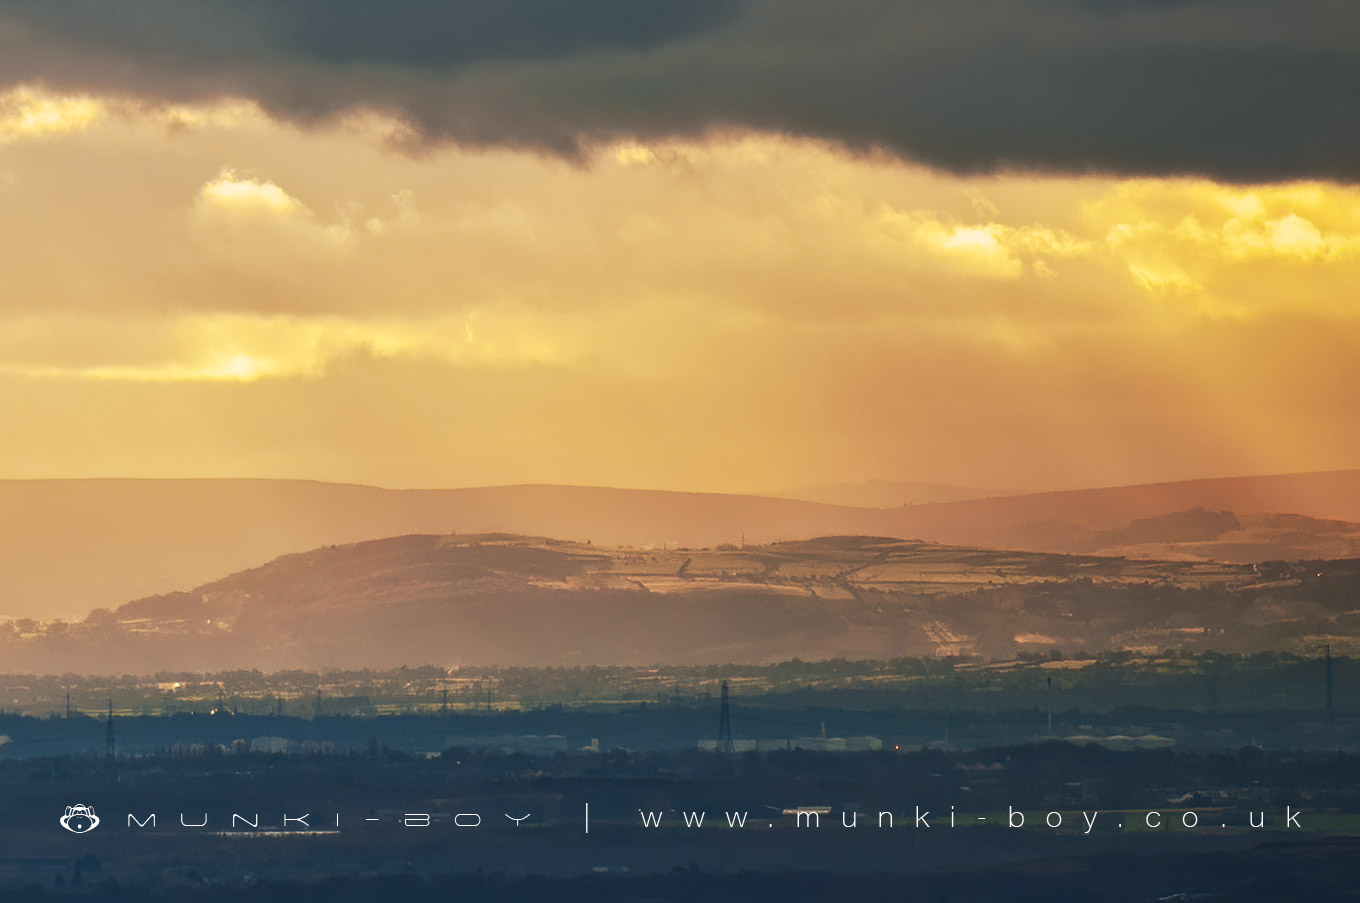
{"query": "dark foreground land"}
[(418, 828), (1188, 702), (1168, 777), (1271, 872)]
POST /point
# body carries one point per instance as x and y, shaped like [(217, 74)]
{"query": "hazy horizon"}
[(780, 492), (78, 545)]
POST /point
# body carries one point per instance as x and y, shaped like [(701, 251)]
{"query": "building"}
[(819, 744)]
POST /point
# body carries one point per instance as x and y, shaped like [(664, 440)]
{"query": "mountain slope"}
[(1011, 521), (496, 599), (885, 493), (70, 546)]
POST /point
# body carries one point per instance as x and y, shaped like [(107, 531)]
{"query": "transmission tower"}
[(1050, 707), (725, 724), (108, 736), (1330, 708)]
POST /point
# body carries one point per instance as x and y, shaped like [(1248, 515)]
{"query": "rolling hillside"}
[(499, 599), (70, 546)]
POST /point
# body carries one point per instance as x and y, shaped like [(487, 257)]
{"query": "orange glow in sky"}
[(208, 291)]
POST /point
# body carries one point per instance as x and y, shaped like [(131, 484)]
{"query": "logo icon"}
[(79, 819)]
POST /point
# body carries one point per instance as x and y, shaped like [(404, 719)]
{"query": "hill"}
[(497, 599), (1038, 520), (70, 546), (885, 493)]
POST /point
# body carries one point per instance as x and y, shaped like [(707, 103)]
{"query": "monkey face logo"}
[(79, 819)]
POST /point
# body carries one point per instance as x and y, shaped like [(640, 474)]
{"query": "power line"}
[(725, 743), (108, 737)]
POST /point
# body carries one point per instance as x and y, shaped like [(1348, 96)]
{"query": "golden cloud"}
[(26, 112), (830, 315), (990, 249), (236, 194), (246, 348)]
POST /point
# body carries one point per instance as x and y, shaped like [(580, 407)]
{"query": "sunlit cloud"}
[(239, 201), (33, 111), (989, 249), (242, 194), (830, 315), (237, 348), (225, 114), (1304, 223), (26, 112), (1163, 280)]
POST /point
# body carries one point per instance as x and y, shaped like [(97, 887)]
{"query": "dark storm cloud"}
[(1244, 90), (406, 33)]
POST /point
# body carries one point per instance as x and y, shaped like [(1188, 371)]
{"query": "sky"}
[(703, 245)]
